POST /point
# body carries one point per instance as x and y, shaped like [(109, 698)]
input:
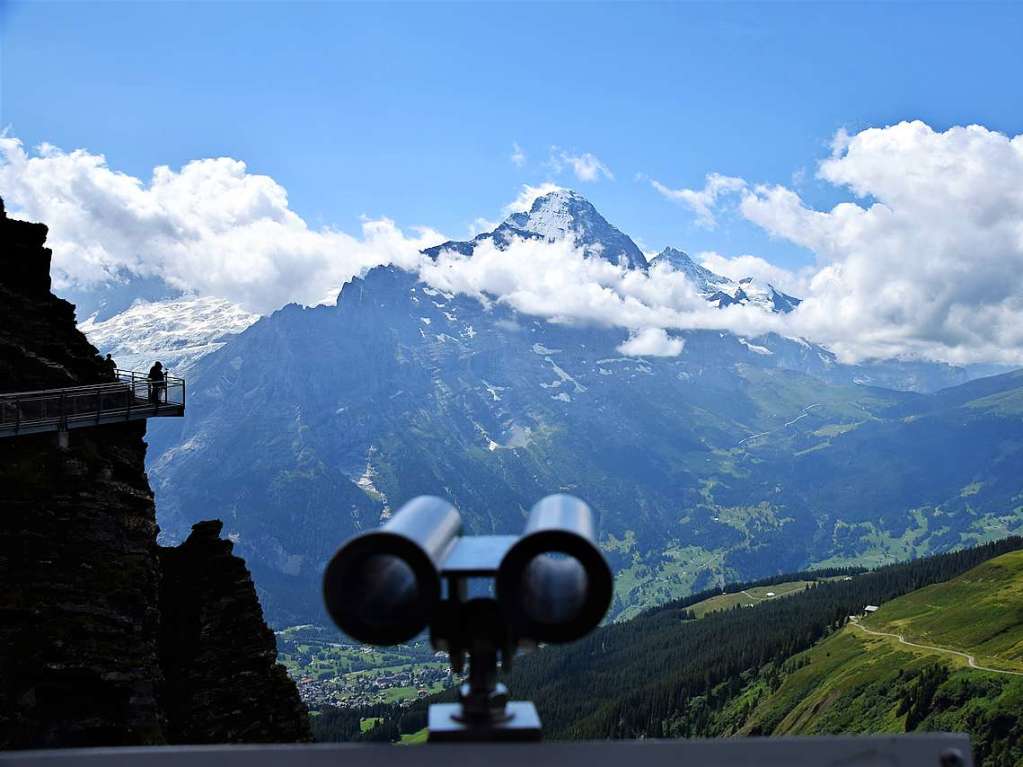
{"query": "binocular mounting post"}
[(473, 629)]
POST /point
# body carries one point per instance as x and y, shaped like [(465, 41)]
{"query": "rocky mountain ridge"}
[(735, 457), (723, 291), (729, 461), (181, 330), (563, 214)]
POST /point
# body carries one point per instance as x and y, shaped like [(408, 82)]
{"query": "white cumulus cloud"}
[(925, 258), (652, 342), (518, 155), (928, 259), (924, 261), (559, 282), (587, 167), (210, 228), (703, 201)]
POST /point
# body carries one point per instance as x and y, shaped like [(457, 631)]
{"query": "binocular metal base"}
[(520, 724)]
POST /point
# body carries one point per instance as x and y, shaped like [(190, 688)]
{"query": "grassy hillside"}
[(980, 612), (857, 681), (749, 597)]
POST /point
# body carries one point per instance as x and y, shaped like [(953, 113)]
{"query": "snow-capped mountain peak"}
[(723, 291), (555, 216), (563, 213), (705, 280)]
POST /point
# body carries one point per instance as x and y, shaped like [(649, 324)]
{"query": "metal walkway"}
[(130, 398)]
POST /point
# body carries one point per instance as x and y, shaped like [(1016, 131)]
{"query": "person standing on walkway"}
[(157, 384)]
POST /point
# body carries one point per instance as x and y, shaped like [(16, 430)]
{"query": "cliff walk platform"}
[(132, 397)]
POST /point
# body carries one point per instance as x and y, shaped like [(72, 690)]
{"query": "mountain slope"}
[(739, 458), (662, 675), (979, 612), (861, 680), (178, 332)]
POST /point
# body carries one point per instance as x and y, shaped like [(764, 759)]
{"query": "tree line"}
[(737, 586)]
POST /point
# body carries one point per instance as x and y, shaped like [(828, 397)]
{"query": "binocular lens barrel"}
[(383, 590), (382, 586), (553, 589), (554, 584)]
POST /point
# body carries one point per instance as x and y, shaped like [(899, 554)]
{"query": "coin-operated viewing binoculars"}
[(551, 584)]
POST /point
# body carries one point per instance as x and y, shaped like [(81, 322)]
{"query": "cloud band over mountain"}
[(924, 261), (927, 261)]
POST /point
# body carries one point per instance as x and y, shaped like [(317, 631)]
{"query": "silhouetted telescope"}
[(551, 584)]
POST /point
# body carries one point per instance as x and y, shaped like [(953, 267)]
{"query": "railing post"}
[(99, 405)]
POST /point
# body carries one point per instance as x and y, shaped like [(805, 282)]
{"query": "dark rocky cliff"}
[(90, 629), (211, 687)]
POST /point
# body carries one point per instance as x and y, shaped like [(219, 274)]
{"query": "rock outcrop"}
[(213, 691), (82, 629)]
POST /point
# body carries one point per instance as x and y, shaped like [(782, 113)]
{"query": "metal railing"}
[(131, 397)]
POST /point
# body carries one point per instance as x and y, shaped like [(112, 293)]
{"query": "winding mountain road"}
[(969, 658), (802, 414)]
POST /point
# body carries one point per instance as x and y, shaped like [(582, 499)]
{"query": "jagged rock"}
[(79, 563), (39, 346), (216, 691)]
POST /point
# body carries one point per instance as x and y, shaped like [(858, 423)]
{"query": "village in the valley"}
[(333, 673)]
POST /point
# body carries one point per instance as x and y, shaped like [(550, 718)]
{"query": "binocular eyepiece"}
[(552, 583), (381, 587)]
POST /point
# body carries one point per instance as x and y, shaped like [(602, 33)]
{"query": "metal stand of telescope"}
[(474, 628)]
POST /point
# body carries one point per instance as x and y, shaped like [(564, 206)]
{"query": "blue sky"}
[(411, 111)]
